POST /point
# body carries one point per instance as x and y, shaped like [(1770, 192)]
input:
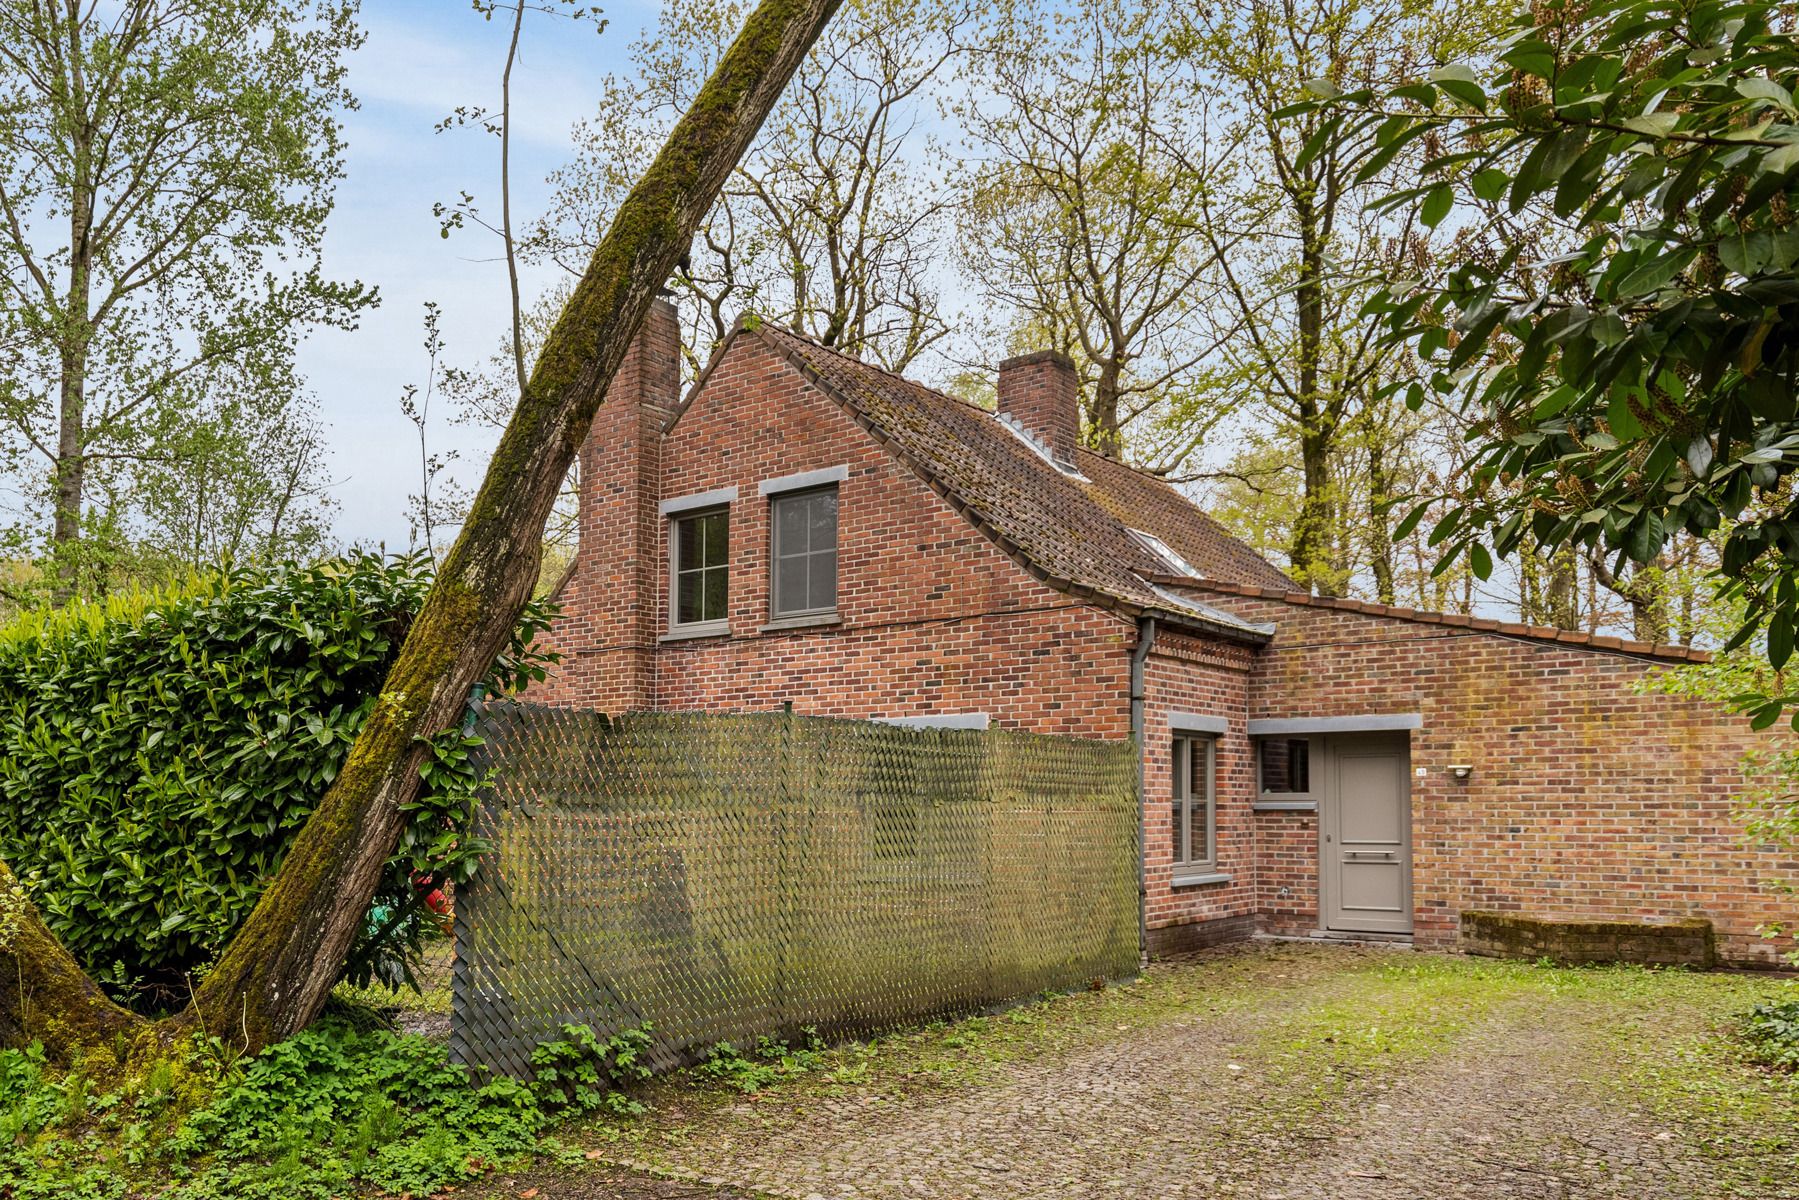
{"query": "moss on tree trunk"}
[(278, 969)]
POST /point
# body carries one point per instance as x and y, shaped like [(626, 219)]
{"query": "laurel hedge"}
[(159, 750)]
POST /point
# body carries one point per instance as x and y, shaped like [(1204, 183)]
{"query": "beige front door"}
[(1365, 834)]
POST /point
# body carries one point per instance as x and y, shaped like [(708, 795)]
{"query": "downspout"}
[(1146, 640)]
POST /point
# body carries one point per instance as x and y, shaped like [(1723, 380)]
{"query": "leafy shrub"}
[(329, 1112), (1773, 1033), (332, 1106), (578, 1070), (158, 752)]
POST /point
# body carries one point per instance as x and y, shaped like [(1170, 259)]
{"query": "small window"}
[(701, 568), (1284, 766), (804, 578), (1195, 802)]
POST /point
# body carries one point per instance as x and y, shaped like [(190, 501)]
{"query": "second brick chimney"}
[(1041, 394)]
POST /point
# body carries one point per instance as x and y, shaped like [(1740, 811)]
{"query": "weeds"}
[(771, 1062), (1772, 1030), (578, 1070)]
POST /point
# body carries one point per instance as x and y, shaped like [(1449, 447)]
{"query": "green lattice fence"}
[(725, 876)]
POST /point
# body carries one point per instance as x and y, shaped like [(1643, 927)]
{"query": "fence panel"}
[(720, 877)]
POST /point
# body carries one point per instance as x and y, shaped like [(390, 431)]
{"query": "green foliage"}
[(1631, 365), (1772, 1030), (159, 751), (578, 1070), (327, 1112), (332, 1106), (168, 170), (771, 1062)]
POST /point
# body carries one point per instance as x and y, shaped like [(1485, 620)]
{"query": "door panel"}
[(1365, 824)]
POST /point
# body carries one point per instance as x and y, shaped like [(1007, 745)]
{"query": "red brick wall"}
[(1210, 678), (1588, 799), (934, 618)]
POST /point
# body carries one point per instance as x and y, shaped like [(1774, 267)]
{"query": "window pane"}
[(688, 599), (822, 593), (687, 544), (1285, 764), (714, 552), (1181, 778), (790, 525), (702, 572), (715, 597), (1199, 836), (822, 516), (1300, 764), (790, 585)]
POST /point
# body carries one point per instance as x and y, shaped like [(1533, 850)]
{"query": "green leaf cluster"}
[(1635, 376), (332, 1111), (1772, 1031), (579, 1070), (160, 750)]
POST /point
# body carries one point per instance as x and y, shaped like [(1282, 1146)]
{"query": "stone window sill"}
[(809, 621), (1197, 878), (1284, 806), (705, 629)]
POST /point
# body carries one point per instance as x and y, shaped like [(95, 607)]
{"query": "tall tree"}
[(1095, 144), (830, 223), (1294, 285), (275, 974), (166, 172)]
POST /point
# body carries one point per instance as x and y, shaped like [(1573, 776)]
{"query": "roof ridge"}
[(896, 376), (1133, 467), (1423, 616)]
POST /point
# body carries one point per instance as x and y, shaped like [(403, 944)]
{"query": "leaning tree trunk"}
[(275, 974)]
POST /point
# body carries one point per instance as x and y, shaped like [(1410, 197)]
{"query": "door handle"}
[(1386, 854)]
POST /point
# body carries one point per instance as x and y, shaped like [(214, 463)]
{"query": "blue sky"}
[(422, 59)]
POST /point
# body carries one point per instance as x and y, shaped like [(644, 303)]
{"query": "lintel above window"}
[(716, 498), (803, 480), (1365, 723), (1186, 722)]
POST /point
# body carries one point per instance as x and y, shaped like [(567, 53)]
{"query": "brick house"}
[(802, 528)]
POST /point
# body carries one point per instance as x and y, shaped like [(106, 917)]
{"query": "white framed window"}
[(699, 568), (1195, 803), (803, 553)]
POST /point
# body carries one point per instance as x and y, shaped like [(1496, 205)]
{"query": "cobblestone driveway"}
[(1279, 1071)]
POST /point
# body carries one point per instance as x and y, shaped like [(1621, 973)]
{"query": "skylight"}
[(1162, 550)]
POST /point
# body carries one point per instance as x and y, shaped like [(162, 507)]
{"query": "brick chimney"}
[(612, 607), (1041, 393)]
